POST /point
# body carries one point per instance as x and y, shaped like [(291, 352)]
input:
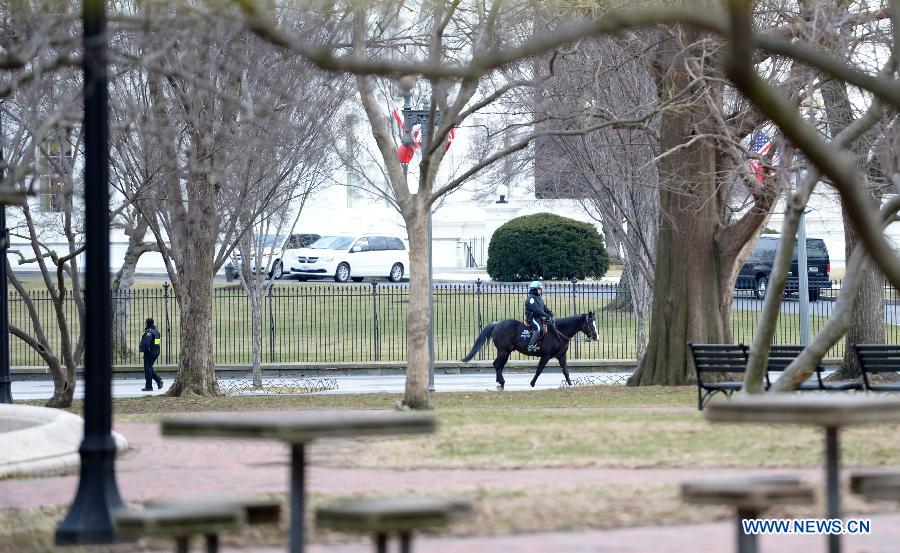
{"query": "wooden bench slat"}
[(878, 358)]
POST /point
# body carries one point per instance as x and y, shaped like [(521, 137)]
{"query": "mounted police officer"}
[(535, 312), (150, 345)]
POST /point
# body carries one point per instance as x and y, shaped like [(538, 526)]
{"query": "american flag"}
[(760, 144)]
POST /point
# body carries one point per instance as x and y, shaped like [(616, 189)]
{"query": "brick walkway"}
[(172, 468)]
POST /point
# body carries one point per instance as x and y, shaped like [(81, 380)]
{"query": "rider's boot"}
[(532, 342)]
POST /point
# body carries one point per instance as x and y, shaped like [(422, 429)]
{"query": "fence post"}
[(375, 345), (271, 326), (478, 297), (168, 340), (573, 280)]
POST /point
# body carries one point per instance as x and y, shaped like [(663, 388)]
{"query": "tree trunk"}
[(63, 388), (867, 317), (256, 301), (196, 373), (122, 285), (686, 299), (622, 300), (417, 317)]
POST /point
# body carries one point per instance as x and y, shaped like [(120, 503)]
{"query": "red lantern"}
[(405, 153)]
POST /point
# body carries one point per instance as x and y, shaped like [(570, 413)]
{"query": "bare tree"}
[(610, 170), (224, 110), (298, 167)]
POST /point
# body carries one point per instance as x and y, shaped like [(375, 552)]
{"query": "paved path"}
[(551, 378)]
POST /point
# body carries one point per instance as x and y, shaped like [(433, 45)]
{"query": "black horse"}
[(512, 335)]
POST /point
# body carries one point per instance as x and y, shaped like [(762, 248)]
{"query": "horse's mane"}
[(572, 319)]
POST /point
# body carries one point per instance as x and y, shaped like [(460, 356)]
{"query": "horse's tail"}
[(479, 342)]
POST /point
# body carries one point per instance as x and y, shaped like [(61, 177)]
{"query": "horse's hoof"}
[(532, 383), (499, 387)]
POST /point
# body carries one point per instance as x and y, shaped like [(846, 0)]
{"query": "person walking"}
[(150, 344)]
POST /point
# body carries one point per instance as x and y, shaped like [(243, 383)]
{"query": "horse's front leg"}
[(565, 368), (540, 368), (499, 363)]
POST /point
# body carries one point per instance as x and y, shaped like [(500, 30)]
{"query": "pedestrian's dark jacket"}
[(534, 307), (150, 341)]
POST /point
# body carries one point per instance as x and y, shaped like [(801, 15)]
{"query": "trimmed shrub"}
[(546, 246)]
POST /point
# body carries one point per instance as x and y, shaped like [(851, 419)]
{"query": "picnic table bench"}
[(383, 516), (298, 428), (750, 497), (876, 359), (204, 517), (832, 414)]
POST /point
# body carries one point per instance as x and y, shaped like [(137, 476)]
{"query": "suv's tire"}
[(396, 273), (342, 273), (813, 294), (277, 270), (759, 289)]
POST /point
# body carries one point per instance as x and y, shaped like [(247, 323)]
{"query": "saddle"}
[(525, 335)]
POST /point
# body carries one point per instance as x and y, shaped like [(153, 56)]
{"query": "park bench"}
[(876, 485), (381, 517), (780, 356), (207, 518), (717, 358), (878, 358), (749, 496)]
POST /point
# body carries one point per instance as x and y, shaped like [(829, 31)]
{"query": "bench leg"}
[(182, 544), (381, 543), (212, 543), (405, 542), (746, 543), (833, 484)]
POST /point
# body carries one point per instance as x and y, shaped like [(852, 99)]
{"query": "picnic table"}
[(297, 428), (830, 413)]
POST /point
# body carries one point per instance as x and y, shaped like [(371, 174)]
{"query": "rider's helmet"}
[(535, 285)]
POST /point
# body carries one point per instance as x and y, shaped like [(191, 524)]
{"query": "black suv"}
[(756, 271)]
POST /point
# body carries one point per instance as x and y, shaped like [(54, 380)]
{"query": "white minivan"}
[(350, 258)]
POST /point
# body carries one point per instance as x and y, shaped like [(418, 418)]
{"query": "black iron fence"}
[(325, 323)]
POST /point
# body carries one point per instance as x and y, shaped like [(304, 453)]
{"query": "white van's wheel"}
[(396, 273), (342, 274), (277, 270)]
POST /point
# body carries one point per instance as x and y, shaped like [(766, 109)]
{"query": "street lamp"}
[(405, 152), (90, 517), (5, 384)]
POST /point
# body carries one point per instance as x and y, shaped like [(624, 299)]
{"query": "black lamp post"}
[(90, 518), (5, 385), (411, 118)]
